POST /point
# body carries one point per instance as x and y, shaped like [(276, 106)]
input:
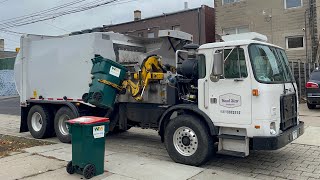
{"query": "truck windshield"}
[(270, 64)]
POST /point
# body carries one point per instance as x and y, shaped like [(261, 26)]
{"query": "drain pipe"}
[(305, 35), (199, 26)]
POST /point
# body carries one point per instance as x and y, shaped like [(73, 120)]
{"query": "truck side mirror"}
[(217, 68), (218, 62)]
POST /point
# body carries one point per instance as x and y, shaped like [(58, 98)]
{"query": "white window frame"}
[(285, 5), (236, 28), (154, 34), (299, 48), (232, 2)]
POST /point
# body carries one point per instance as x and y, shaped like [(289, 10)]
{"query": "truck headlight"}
[(273, 130)]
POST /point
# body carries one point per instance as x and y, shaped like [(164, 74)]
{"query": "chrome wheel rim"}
[(36, 121), (63, 128), (185, 141)]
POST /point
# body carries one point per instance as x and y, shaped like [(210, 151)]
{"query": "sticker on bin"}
[(115, 71), (88, 120), (98, 131)]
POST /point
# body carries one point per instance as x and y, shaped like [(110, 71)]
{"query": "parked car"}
[(313, 90)]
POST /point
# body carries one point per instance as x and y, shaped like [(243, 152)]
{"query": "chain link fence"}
[(7, 84)]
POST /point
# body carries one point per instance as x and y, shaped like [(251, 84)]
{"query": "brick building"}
[(198, 21), (291, 24)]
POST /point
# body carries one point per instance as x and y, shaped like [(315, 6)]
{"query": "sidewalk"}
[(141, 157), (48, 162)]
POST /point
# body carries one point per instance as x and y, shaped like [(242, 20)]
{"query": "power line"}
[(12, 32), (54, 12), (44, 11), (12, 21), (43, 15), (55, 26), (3, 1)]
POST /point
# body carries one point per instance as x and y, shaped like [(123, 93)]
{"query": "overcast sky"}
[(92, 18)]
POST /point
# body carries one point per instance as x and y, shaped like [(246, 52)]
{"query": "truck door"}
[(229, 99)]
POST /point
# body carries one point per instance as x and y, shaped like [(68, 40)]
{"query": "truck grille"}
[(288, 109)]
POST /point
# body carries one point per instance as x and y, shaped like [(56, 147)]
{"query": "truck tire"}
[(40, 122), (60, 126), (311, 106), (188, 141)]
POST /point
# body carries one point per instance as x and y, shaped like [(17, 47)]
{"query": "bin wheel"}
[(97, 96), (89, 171), (70, 168)]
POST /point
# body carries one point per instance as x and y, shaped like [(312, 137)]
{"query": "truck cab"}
[(246, 89), (255, 100)]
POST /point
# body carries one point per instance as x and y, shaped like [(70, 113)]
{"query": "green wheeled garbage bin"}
[(103, 94), (88, 145)]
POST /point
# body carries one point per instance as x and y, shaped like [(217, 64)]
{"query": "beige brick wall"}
[(282, 23), (318, 24)]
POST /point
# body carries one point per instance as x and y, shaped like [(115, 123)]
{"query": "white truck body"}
[(45, 67), (59, 66)]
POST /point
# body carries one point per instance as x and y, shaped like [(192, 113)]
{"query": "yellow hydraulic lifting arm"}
[(151, 69)]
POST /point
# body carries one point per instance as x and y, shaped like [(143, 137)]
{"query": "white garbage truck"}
[(239, 95)]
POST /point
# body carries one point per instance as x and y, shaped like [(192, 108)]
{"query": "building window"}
[(176, 28), (151, 35), (140, 34), (295, 42), (292, 4), (236, 30), (229, 1)]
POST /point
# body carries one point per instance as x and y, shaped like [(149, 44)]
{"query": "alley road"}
[(10, 106)]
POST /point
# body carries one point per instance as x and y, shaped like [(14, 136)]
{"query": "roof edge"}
[(158, 16)]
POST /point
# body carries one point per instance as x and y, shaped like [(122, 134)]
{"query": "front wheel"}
[(188, 141), (60, 126)]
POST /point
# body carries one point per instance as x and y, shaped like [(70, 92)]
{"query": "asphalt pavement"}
[(10, 105)]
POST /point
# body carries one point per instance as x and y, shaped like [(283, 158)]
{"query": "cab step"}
[(232, 153), (233, 145)]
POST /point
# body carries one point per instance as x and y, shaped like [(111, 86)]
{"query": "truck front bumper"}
[(279, 141)]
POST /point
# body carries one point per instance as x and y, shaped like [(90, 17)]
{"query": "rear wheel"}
[(311, 106), (40, 123), (60, 126), (188, 141), (89, 171)]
